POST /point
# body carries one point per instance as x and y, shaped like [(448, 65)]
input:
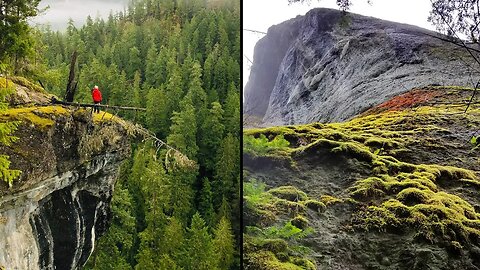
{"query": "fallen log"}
[(86, 105)]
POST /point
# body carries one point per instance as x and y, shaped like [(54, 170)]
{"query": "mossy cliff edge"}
[(69, 158), (394, 188)]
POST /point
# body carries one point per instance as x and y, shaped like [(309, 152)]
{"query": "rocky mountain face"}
[(69, 158), (394, 188), (328, 66)]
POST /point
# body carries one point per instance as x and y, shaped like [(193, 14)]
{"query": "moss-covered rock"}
[(407, 177), (315, 205), (300, 222), (289, 193)]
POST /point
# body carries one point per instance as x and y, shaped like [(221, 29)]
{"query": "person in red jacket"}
[(97, 98)]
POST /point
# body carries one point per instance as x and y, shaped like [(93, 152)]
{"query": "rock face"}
[(325, 66), (51, 216)]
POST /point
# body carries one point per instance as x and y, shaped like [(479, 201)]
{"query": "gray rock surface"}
[(51, 216), (328, 67)]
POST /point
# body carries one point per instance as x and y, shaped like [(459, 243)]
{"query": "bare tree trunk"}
[(71, 85)]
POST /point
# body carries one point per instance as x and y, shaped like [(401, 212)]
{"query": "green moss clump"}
[(289, 193), (300, 222), (412, 196), (289, 207), (370, 188), (304, 263), (275, 245), (376, 218), (329, 200), (315, 205), (266, 260)]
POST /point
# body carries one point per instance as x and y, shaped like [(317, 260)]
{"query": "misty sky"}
[(61, 10)]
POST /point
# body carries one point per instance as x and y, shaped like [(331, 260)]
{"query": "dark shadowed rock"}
[(326, 66)]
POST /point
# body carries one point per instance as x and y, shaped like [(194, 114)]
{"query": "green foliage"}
[(262, 145), (276, 248), (16, 42), (287, 231), (224, 244), (212, 132), (199, 248), (206, 202), (6, 129), (475, 142), (254, 193), (226, 167)]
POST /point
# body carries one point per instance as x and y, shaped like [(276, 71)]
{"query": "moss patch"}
[(40, 117)]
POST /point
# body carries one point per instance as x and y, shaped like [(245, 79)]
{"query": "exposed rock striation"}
[(325, 66), (69, 160)]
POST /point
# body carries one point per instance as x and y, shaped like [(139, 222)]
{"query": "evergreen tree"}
[(174, 92), (183, 132), (227, 167), (151, 67), (173, 238), (223, 244), (205, 205), (232, 111), (157, 117), (134, 61), (15, 40), (211, 136), (199, 249)]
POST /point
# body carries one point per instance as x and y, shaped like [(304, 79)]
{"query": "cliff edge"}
[(69, 158)]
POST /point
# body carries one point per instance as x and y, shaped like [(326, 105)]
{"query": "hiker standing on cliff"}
[(97, 98)]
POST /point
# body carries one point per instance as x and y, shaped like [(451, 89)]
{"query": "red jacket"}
[(96, 95)]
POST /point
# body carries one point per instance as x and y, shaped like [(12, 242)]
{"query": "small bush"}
[(254, 193), (287, 231), (262, 146)]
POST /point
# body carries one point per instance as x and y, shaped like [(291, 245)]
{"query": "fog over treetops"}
[(60, 11)]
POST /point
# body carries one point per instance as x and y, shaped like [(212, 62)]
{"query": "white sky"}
[(261, 14)]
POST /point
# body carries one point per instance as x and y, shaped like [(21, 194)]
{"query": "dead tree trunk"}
[(71, 85)]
